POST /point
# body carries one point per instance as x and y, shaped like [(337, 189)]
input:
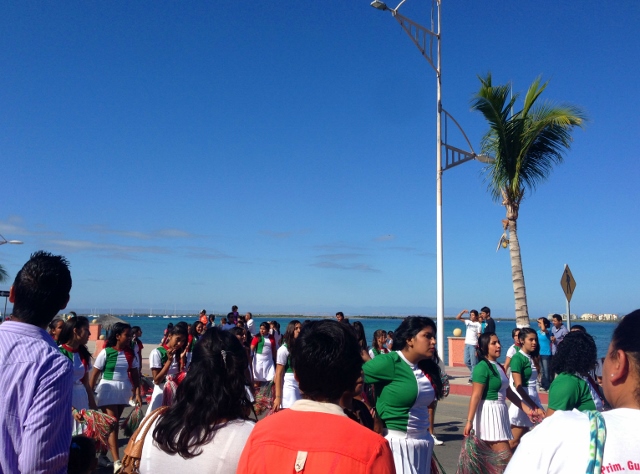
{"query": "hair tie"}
[(224, 358)]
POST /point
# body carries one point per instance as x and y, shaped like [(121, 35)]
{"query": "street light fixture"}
[(425, 39), (5, 241)]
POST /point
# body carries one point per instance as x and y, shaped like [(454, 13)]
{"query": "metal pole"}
[(439, 250), (568, 315)]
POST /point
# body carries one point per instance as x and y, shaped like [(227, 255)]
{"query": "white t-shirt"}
[(220, 456), (155, 362), (473, 330), (250, 326), (282, 355), (560, 444)]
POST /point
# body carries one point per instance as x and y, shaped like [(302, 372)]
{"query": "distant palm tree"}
[(4, 276), (526, 145)]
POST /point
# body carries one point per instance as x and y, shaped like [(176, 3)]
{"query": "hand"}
[(467, 428), (77, 416), (277, 404), (138, 399)]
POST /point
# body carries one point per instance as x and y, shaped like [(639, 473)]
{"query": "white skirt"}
[(263, 368), (491, 422), (113, 392), (156, 397), (519, 418), (410, 455), (79, 401), (290, 391)]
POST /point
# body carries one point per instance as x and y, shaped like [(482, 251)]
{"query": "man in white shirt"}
[(474, 329), (250, 323)]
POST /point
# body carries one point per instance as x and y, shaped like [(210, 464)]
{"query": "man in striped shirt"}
[(35, 378)]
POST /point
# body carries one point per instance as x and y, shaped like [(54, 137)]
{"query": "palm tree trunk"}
[(517, 274)]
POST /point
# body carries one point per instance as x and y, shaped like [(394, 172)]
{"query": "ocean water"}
[(153, 329)]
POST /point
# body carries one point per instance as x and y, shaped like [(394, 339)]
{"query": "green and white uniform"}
[(373, 352), (114, 387), (157, 358), (491, 421), (79, 396), (569, 391), (404, 395), (522, 364), (290, 388)]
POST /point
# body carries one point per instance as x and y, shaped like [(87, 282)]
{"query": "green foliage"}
[(4, 276), (527, 144)]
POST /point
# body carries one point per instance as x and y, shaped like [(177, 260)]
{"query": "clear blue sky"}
[(281, 156)]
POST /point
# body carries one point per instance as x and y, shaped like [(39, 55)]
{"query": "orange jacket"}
[(309, 442)]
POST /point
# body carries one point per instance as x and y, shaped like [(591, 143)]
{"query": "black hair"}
[(234, 308), (193, 329), (362, 339), (169, 327), (474, 311), (135, 329), (213, 389), (289, 333), (265, 325), (180, 330), (182, 324), (82, 455), (556, 316), (66, 335), (485, 309), (237, 331), (115, 331), (515, 331), (625, 338), (340, 313), (326, 359), (545, 322), (535, 354), (408, 329), (431, 369), (41, 288), (578, 327), (576, 354)]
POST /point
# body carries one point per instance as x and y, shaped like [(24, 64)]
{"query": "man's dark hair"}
[(326, 359), (557, 317), (474, 311), (41, 288), (485, 309)]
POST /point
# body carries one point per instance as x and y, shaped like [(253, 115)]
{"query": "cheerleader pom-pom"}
[(98, 426)]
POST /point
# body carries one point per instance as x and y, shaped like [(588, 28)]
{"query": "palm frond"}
[(4, 276), (526, 145)]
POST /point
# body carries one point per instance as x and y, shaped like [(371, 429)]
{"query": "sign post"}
[(568, 285), (6, 296)]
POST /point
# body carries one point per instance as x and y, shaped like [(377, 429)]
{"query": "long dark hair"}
[(213, 390), (289, 333), (66, 335), (408, 329), (482, 349), (362, 339), (431, 368), (115, 331)]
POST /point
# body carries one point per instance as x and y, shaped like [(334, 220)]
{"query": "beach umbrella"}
[(107, 320)]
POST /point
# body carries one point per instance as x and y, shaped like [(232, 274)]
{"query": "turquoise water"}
[(153, 329)]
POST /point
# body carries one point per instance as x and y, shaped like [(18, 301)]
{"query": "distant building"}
[(589, 317)]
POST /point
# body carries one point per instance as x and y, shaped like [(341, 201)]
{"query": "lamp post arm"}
[(422, 37)]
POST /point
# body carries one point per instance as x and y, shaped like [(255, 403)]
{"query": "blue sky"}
[(281, 157)]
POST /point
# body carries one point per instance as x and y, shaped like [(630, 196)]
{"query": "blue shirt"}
[(35, 407), (544, 340), (559, 335)]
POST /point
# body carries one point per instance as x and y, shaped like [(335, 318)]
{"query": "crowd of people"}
[(336, 404)]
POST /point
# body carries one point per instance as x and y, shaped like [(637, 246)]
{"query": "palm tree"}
[(4, 276), (525, 146)]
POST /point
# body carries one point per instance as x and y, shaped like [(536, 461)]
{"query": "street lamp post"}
[(425, 39)]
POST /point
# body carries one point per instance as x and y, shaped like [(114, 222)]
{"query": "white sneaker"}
[(117, 467), (436, 441)]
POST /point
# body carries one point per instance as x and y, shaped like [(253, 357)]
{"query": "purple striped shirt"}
[(35, 404)]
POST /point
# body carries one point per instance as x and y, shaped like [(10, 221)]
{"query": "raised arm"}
[(461, 313)]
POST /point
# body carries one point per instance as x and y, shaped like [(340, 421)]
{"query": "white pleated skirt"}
[(113, 392), (519, 418), (263, 368), (79, 401), (156, 397), (290, 391), (410, 455), (491, 422)]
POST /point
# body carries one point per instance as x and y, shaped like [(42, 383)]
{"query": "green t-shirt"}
[(396, 388), (487, 374), (521, 364), (568, 391)]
